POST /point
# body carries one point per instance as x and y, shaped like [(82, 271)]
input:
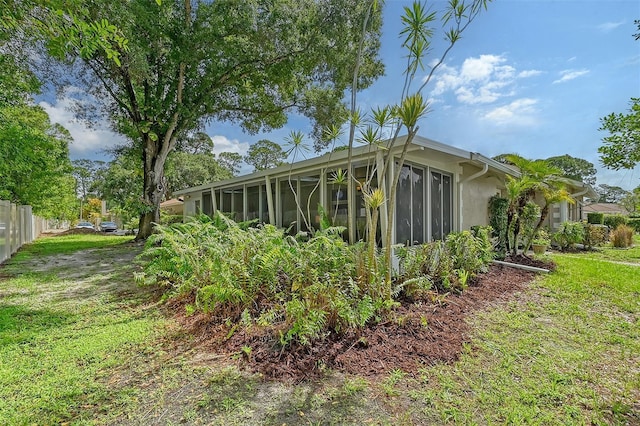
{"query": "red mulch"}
[(400, 341), (530, 261)]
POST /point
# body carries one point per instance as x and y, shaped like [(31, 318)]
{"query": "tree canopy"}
[(265, 154), (185, 169), (611, 193), (621, 149), (34, 161), (574, 168), (185, 63)]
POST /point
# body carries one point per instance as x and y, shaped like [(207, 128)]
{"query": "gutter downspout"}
[(476, 175)]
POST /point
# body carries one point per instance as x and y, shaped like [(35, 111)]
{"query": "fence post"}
[(5, 230)]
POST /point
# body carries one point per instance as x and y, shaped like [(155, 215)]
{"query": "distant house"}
[(606, 208), (174, 206), (441, 189)]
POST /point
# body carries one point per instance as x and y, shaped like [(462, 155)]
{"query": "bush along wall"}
[(595, 218), (498, 221), (615, 220), (634, 222), (302, 289)]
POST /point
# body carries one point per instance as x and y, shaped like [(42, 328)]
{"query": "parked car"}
[(85, 225), (108, 227)]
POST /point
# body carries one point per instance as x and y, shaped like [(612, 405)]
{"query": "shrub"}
[(595, 218), (471, 253), (634, 223), (498, 221), (569, 234), (541, 237), (614, 220), (622, 236), (441, 265), (423, 267), (307, 289), (594, 235)]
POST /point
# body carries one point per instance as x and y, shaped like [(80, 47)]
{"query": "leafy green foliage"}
[(611, 193), (595, 235), (498, 207), (34, 162), (615, 220), (471, 252), (569, 234), (574, 168), (595, 218), (265, 154), (443, 264), (622, 236), (306, 289), (621, 149), (186, 63), (186, 169), (634, 223)]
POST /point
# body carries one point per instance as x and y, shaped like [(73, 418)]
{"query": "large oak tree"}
[(185, 63)]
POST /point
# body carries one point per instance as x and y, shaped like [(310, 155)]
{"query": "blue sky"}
[(531, 77)]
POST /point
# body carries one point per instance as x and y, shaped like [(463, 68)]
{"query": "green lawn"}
[(629, 255), (94, 349), (60, 338)]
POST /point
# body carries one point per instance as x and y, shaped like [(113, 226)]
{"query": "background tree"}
[(34, 161), (230, 161), (185, 170), (621, 149), (86, 172), (503, 158), (265, 154), (611, 194), (631, 201), (185, 64), (195, 143), (574, 168), (120, 184)]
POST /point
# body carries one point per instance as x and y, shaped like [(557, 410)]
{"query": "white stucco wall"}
[(475, 200)]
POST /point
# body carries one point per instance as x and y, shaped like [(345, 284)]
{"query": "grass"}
[(68, 244), (58, 345), (85, 350), (566, 353), (629, 255)]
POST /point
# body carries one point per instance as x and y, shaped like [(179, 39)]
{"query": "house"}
[(441, 189), (173, 206), (605, 208)]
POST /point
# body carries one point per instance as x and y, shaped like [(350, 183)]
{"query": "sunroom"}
[(441, 189)]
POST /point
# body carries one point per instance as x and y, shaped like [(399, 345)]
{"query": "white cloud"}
[(529, 73), (480, 80), (519, 112), (86, 140), (609, 26), (223, 144), (567, 75)]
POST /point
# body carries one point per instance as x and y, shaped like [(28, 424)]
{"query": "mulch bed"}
[(413, 335)]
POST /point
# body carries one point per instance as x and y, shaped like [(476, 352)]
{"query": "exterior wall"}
[(475, 200)]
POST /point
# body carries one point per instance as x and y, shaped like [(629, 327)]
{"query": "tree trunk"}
[(153, 189)]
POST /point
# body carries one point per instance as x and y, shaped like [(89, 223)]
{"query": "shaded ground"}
[(414, 335)]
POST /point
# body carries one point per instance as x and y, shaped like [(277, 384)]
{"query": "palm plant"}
[(537, 176)]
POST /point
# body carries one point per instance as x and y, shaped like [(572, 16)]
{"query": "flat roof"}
[(359, 152)]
